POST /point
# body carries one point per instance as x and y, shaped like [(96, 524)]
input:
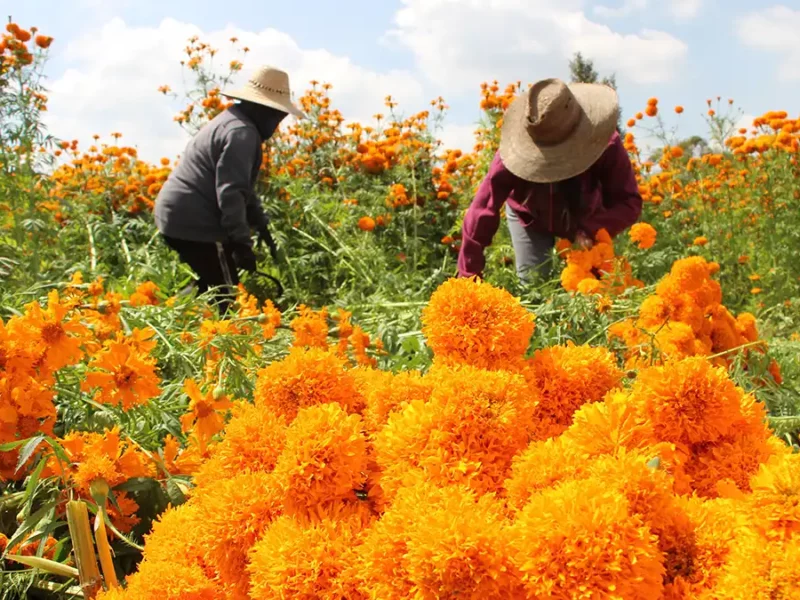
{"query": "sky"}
[(110, 56)]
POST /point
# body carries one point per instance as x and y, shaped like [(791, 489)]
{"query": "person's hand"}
[(245, 258), (583, 240), (265, 238)]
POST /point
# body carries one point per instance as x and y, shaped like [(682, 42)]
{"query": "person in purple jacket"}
[(561, 170)]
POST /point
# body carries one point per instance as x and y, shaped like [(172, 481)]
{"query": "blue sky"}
[(109, 56)]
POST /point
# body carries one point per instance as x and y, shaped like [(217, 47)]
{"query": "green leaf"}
[(29, 524), (147, 493), (174, 493), (9, 446), (30, 488), (58, 450), (28, 450)]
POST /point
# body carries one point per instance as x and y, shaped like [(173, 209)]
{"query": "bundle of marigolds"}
[(492, 475), (685, 317)]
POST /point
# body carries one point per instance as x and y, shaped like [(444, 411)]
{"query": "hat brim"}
[(265, 99), (547, 164)]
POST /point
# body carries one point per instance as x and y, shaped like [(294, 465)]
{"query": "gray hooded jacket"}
[(210, 196)]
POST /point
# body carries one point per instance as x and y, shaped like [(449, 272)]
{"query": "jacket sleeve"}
[(235, 182), (622, 203), (256, 216), (483, 219), (255, 212)]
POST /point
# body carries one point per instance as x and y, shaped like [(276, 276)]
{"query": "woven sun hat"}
[(555, 131), (268, 86)]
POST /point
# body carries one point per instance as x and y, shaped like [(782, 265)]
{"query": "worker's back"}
[(187, 206)]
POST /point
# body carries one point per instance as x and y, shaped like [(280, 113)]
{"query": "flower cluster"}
[(685, 317), (342, 482), (596, 270)]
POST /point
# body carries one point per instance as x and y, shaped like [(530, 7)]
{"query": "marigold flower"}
[(203, 418), (644, 235), (306, 378), (610, 427), (543, 464), (565, 378), (472, 322), (122, 376), (442, 540), (385, 392), (689, 401), (233, 517), (43, 41), (293, 560), (468, 432), (366, 223), (56, 335), (310, 328), (323, 461), (580, 539)]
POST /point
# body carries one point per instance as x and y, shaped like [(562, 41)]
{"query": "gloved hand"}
[(265, 237), (245, 258)]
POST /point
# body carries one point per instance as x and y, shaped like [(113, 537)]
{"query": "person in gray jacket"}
[(208, 207)]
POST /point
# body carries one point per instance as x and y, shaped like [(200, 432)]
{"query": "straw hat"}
[(555, 131), (268, 86)]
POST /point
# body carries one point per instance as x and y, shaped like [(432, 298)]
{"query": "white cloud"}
[(775, 30), (113, 74), (457, 136), (459, 43), (679, 9), (745, 122), (685, 9), (625, 9)]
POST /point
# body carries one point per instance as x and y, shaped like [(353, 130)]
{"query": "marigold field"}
[(378, 429)]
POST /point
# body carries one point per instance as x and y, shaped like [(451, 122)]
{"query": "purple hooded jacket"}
[(610, 200)]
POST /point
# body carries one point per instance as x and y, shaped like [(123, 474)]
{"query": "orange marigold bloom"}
[(122, 376), (580, 539), (543, 464), (254, 438), (306, 378), (203, 418), (700, 241), (43, 41), (145, 295), (565, 378), (310, 328), (644, 235), (689, 401), (678, 109), (96, 456), (472, 322), (651, 111), (323, 461), (57, 336), (366, 223), (385, 392), (295, 560), (232, 518), (443, 540), (612, 427), (468, 432)]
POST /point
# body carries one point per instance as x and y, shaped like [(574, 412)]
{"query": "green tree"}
[(582, 71)]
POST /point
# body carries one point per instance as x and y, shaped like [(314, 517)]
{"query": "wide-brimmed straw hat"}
[(554, 131), (268, 86)]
